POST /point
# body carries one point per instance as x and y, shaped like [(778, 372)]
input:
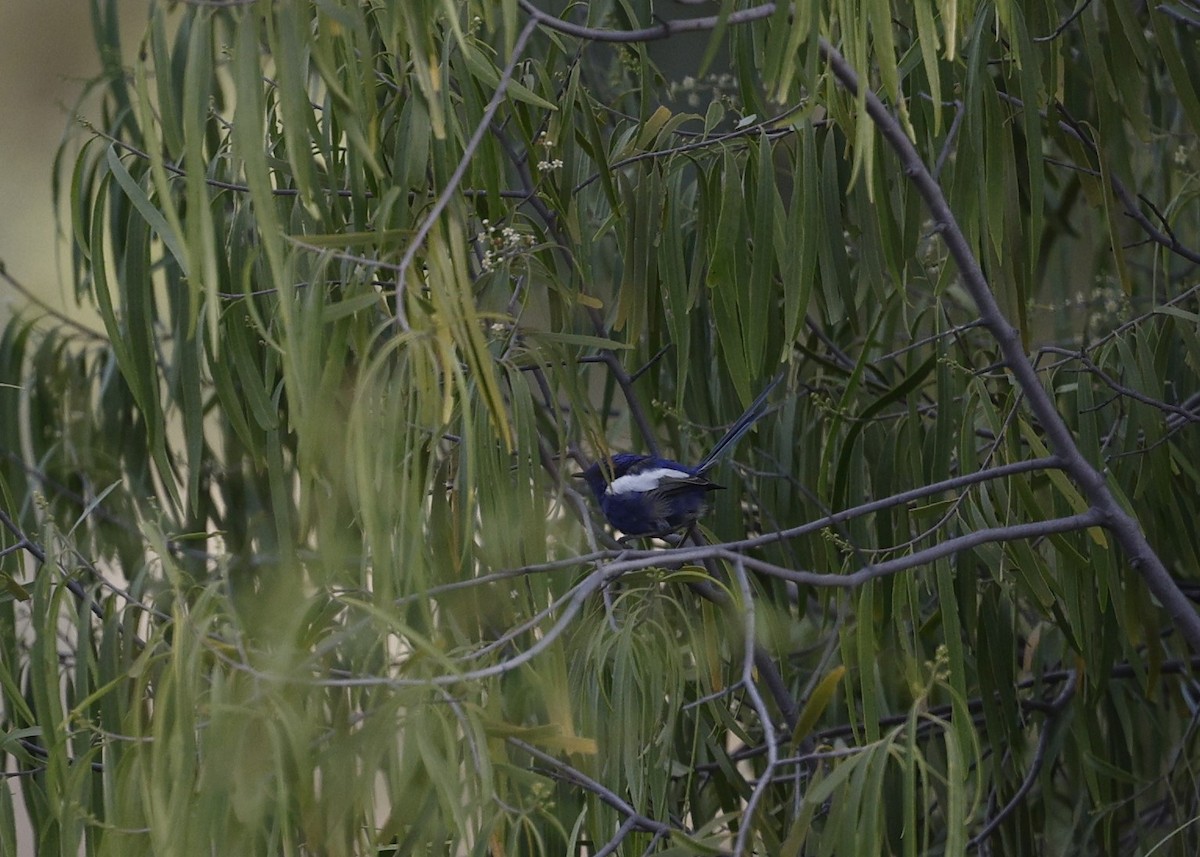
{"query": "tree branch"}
[(1091, 481), (1057, 706)]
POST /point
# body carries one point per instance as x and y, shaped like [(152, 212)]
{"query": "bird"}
[(648, 496)]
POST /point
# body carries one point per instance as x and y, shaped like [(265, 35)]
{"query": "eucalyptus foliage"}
[(291, 561)]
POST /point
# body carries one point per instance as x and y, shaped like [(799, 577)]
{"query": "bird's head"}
[(595, 479)]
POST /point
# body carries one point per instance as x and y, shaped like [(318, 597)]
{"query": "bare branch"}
[(949, 547)]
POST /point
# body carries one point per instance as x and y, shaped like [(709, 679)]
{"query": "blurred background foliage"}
[(290, 562)]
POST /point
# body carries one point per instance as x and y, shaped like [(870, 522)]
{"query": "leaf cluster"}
[(291, 563)]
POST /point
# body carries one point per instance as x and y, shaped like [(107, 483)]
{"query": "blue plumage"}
[(643, 495)]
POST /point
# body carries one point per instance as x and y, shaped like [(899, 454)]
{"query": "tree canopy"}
[(292, 561)]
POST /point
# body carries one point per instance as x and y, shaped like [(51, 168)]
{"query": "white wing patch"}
[(647, 480)]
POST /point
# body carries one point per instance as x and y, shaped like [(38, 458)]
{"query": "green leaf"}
[(146, 208), (486, 73), (816, 704)]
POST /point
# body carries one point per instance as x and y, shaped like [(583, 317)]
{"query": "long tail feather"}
[(752, 415)]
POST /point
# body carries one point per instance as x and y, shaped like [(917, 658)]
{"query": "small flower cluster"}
[(691, 89), (548, 163), (848, 245), (1109, 304), (939, 667), (836, 539), (1106, 305), (931, 253), (628, 62), (500, 244)]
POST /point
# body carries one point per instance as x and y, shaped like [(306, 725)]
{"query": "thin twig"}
[(951, 136), (1119, 388), (606, 795), (1068, 125), (1035, 765), (62, 318), (1066, 22), (664, 30), (749, 628)]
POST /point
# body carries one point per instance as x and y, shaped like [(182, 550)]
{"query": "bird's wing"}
[(669, 486), (676, 502), (646, 475)]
